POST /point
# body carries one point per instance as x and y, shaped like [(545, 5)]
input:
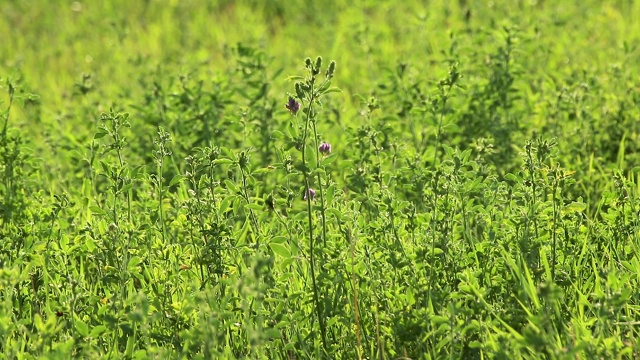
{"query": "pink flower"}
[(312, 194)]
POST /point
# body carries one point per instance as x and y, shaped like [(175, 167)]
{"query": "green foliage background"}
[(480, 200)]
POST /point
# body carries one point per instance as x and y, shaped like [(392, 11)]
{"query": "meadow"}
[(322, 179)]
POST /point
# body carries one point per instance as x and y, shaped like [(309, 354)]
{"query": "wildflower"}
[(293, 105), (325, 148), (312, 194)]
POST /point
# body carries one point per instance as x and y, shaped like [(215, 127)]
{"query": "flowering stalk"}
[(309, 91), (440, 105)]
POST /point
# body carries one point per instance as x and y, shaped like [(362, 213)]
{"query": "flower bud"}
[(312, 194), (325, 148), (293, 105)]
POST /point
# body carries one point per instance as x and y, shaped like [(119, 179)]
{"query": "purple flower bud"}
[(325, 148), (312, 194), (292, 105)]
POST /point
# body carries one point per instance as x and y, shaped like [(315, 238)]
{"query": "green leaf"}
[(133, 263), (140, 355), (511, 177), (222, 162), (282, 324), (176, 179), (97, 211), (82, 328), (285, 263), (224, 204), (130, 345), (231, 186), (279, 240), (273, 334), (410, 297), (280, 249), (64, 244), (89, 244), (254, 206), (437, 319), (575, 207), (97, 331), (311, 157), (126, 188), (330, 193), (627, 265), (261, 171), (100, 134), (329, 159), (331, 90), (134, 171), (105, 167), (336, 213)]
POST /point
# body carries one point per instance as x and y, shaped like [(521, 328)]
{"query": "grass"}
[(167, 190)]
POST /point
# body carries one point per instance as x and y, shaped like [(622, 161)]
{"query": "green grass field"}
[(319, 179)]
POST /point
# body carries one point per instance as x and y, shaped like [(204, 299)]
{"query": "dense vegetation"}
[(319, 179)]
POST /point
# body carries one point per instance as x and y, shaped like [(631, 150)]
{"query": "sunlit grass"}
[(189, 179)]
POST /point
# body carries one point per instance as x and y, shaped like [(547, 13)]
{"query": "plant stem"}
[(316, 297)]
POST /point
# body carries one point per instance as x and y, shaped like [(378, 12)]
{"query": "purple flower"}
[(312, 194), (325, 148), (292, 105)]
